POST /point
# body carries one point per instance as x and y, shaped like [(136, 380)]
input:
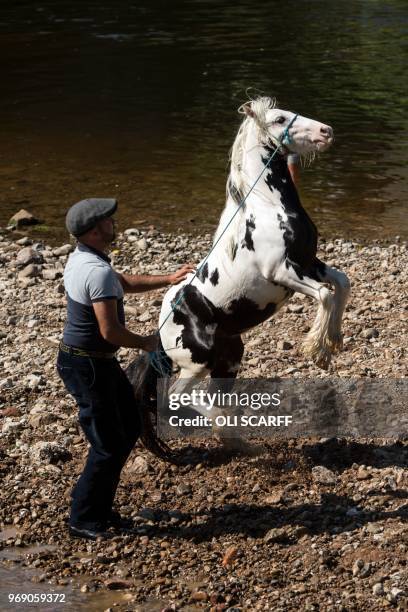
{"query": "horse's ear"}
[(246, 109)]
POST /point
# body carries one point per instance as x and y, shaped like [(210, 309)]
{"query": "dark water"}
[(138, 100)]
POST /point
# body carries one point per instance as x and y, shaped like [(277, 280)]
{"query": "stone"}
[(275, 534), (30, 271), (229, 555), (65, 249), (370, 333), (25, 241), (284, 345), (21, 218), (138, 466), (295, 308), (11, 411), (49, 452), (142, 244), (183, 488), (378, 589), (117, 584), (143, 318), (323, 475), (51, 274), (27, 256), (26, 282)]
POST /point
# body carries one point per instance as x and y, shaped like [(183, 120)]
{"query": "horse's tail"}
[(143, 374)]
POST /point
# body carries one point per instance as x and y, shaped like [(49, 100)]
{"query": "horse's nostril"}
[(326, 130)]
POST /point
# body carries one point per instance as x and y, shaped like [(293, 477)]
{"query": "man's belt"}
[(78, 352)]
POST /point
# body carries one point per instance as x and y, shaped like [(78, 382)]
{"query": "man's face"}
[(106, 229)]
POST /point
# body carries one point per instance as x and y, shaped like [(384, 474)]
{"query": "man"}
[(94, 330)]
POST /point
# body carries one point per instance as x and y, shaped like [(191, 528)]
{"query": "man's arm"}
[(115, 333), (137, 283), (293, 166)]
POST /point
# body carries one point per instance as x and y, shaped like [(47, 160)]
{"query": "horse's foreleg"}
[(341, 293), (317, 345)]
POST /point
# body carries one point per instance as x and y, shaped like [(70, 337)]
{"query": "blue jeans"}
[(111, 421)]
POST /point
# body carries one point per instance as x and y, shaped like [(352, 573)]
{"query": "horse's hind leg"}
[(341, 293), (229, 353), (317, 345)]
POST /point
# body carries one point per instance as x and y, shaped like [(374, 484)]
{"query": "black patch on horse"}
[(234, 250), (202, 274), (299, 231), (243, 314), (195, 313), (214, 277), (247, 241)]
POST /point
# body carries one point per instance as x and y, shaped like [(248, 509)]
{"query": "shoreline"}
[(296, 540)]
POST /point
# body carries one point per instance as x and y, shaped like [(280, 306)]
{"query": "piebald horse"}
[(266, 255)]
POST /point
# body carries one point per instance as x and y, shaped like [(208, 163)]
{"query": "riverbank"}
[(271, 532)]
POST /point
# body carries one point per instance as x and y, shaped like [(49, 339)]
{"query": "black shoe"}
[(88, 534), (116, 521)]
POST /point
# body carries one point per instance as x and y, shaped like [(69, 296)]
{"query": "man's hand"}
[(150, 343), (181, 273)]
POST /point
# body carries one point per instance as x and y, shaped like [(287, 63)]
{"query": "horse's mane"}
[(237, 183)]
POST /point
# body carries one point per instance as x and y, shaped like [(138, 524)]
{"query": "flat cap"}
[(84, 215)]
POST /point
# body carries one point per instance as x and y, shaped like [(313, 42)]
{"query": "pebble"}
[(323, 475)]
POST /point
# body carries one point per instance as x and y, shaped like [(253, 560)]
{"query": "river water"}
[(138, 101)]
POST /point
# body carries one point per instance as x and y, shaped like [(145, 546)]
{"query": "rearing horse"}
[(266, 255)]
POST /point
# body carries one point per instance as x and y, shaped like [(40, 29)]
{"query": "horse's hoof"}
[(323, 359), (335, 343), (321, 355)]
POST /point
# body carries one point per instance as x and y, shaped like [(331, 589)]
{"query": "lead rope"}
[(158, 358)]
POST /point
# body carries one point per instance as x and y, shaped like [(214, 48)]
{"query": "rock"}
[(138, 466), (28, 256), (25, 241), (115, 584), (395, 594), (21, 218), (295, 308), (361, 569), (26, 282), (33, 381), (29, 271), (199, 596), (183, 488), (142, 244), (369, 333), (49, 452), (275, 535), (6, 383), (284, 345), (378, 589), (362, 473), (323, 475), (51, 274), (229, 555), (63, 250), (143, 318), (11, 411), (275, 498)]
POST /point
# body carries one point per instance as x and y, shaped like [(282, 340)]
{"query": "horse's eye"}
[(280, 119)]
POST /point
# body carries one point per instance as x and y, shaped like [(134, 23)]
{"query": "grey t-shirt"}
[(89, 278)]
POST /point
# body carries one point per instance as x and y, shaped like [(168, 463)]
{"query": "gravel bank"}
[(309, 525)]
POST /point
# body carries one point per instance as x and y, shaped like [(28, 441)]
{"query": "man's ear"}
[(246, 109)]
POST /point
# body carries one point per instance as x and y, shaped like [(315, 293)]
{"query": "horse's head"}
[(304, 135)]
